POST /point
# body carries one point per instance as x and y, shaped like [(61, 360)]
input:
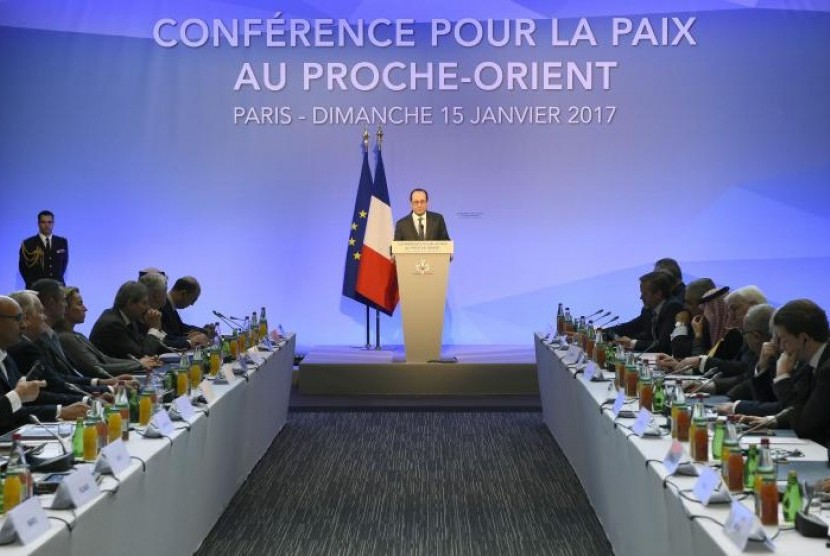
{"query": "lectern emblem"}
[(422, 267)]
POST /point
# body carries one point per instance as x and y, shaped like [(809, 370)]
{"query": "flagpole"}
[(368, 322), (368, 329), (377, 330), (378, 146)]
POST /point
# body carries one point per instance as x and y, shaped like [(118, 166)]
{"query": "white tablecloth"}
[(172, 506), (624, 482)]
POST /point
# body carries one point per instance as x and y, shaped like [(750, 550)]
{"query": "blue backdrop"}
[(717, 153)]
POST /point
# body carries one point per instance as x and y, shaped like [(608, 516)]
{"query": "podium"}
[(423, 271)]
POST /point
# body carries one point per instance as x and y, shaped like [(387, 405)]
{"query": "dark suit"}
[(26, 353), (112, 335), (90, 360), (436, 229), (36, 262), (8, 419), (763, 401), (643, 329), (808, 393), (44, 407), (172, 325)]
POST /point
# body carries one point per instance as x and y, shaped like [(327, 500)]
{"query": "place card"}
[(641, 423), (673, 457), (114, 458), (208, 392), (706, 485), (618, 403), (27, 521), (227, 372), (590, 371), (739, 524), (76, 489), (256, 357), (161, 420), (184, 407)]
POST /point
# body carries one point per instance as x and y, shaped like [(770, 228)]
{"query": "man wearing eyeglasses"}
[(421, 224), (11, 326)]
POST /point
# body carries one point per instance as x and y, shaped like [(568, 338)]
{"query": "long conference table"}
[(169, 504), (637, 502)]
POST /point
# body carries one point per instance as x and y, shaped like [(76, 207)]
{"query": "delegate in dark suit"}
[(808, 393), (44, 407), (643, 327), (90, 360), (436, 228), (113, 335), (37, 261), (26, 353)]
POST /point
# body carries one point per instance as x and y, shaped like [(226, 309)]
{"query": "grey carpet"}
[(410, 483)]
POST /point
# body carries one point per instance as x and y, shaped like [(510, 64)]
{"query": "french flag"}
[(376, 278)]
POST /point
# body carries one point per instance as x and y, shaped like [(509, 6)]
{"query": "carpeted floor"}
[(426, 483)]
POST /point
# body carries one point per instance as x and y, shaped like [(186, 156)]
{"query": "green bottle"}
[(134, 406), (78, 440), (792, 497), (659, 402), (717, 440), (751, 468)]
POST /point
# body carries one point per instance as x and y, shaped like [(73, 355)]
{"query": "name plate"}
[(706, 484), (673, 457), (255, 356), (184, 407), (208, 392), (115, 456), (590, 371), (227, 373), (242, 363), (742, 524), (76, 489), (618, 403), (27, 521), (161, 420), (267, 344), (641, 423)]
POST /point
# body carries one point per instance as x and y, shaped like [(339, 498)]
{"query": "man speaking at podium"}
[(421, 225)]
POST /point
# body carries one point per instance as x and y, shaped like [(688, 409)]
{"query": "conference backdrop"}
[(568, 145)]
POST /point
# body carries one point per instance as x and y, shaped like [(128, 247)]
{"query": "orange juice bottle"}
[(113, 424), (145, 408), (90, 440), (182, 383)]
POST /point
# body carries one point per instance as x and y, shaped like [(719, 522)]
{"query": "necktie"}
[(48, 244), (421, 228)]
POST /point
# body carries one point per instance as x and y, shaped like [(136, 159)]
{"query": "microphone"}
[(705, 382), (651, 346), (711, 373), (606, 323), (55, 464), (77, 389), (771, 421), (595, 313), (225, 319)]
